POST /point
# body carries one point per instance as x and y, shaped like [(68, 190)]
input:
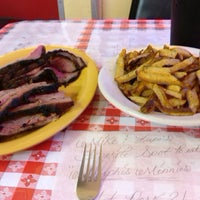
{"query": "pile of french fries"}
[(163, 79)]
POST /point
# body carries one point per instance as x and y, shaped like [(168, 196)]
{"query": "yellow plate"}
[(82, 91)]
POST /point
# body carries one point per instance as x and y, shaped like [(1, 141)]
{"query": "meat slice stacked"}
[(29, 89)]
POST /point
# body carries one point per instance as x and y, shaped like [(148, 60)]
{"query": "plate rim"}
[(155, 117), (35, 137)]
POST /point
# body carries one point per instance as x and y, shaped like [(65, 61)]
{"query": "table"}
[(141, 160)]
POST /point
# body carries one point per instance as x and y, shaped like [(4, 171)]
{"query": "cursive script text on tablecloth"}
[(136, 166)]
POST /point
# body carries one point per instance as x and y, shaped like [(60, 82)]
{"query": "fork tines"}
[(89, 164), (89, 180)]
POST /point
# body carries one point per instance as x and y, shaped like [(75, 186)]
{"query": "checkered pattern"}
[(31, 174)]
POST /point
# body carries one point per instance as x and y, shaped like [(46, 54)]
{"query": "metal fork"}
[(89, 180)]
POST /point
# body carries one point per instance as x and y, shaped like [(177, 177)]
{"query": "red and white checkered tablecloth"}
[(39, 172)]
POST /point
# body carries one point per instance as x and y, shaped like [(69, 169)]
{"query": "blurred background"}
[(62, 9), (16, 10), (97, 8)]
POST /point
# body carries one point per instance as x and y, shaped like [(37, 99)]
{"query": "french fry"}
[(138, 100), (172, 93), (193, 100), (126, 77), (183, 64), (157, 75), (165, 62), (180, 75), (198, 75), (170, 53), (177, 102), (127, 88), (138, 57), (147, 93), (183, 53), (140, 88), (150, 49), (175, 88), (189, 80), (130, 75), (165, 80), (120, 64), (161, 96), (175, 111), (149, 106)]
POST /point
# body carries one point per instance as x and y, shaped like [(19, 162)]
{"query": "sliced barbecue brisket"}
[(66, 61), (20, 68), (58, 65), (18, 96), (11, 127), (43, 106), (46, 104), (66, 66), (29, 89)]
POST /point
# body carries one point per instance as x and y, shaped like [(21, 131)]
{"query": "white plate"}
[(112, 93)]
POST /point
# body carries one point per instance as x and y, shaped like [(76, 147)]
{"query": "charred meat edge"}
[(18, 96), (25, 123), (65, 68), (45, 104)]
